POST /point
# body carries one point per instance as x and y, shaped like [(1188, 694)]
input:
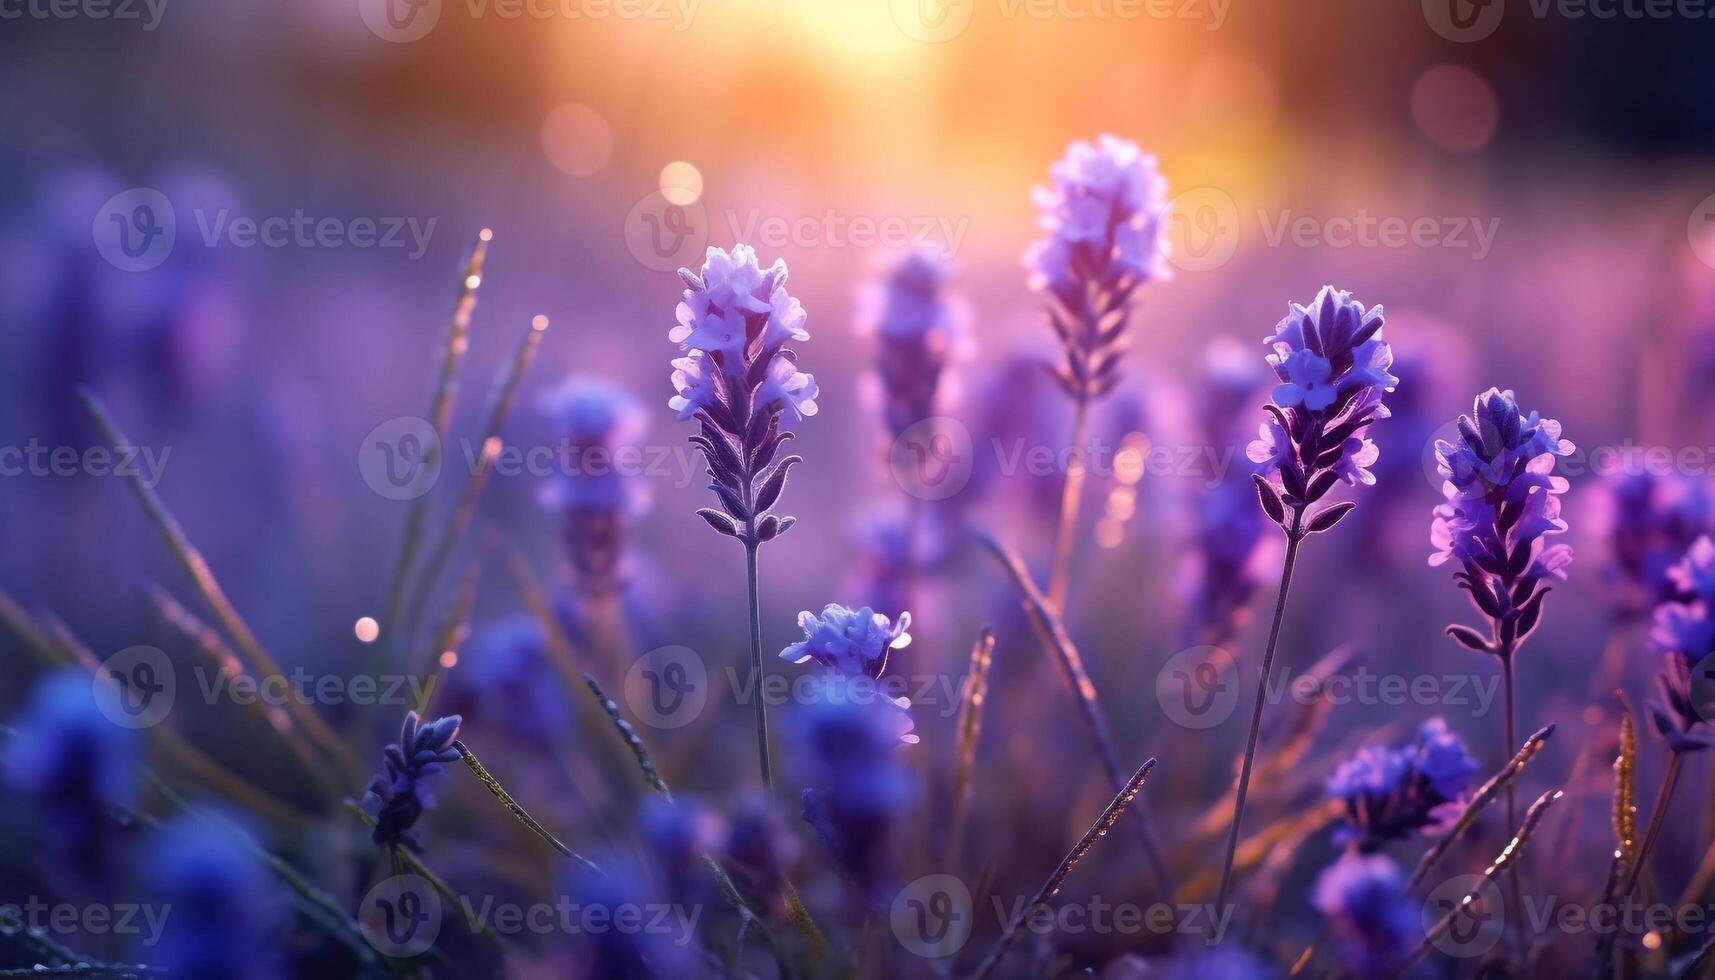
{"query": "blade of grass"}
[(202, 576), (1486, 794), (969, 727), (512, 806), (440, 416), (1052, 632), (1057, 880), (499, 409)]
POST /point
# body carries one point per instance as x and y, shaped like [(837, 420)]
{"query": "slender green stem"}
[(756, 670), (512, 806), (1071, 500), (1515, 888), (1293, 536)]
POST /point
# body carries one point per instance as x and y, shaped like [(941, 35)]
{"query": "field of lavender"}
[(1086, 575)]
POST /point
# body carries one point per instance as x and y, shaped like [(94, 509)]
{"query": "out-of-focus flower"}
[(1684, 631), (626, 953), (1374, 923), (1649, 521), (679, 832), (225, 904), (737, 378), (851, 641), (74, 765), (1502, 503), (848, 746), (499, 686), (1102, 214), (1392, 793), (917, 327), (1332, 366), (415, 765), (760, 845), (1230, 550), (595, 497), (1228, 962)]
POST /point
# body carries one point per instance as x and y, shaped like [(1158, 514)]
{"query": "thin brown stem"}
[(1071, 500), (1293, 536), (1663, 797)]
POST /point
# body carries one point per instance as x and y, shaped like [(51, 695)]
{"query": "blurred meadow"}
[(237, 232)]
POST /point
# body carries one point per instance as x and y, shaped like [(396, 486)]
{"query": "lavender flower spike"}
[(1332, 365), (1392, 793), (852, 641), (918, 328), (1684, 632), (415, 764), (595, 419), (737, 379)]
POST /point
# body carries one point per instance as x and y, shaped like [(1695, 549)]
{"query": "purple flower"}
[(634, 953), (916, 325), (851, 641), (1102, 216), (415, 765), (858, 785), (1332, 366), (498, 684), (1392, 793), (679, 832), (1374, 922), (1502, 503), (760, 845), (737, 378), (226, 910), (1684, 631), (73, 764), (595, 498), (1649, 522), (1227, 962)]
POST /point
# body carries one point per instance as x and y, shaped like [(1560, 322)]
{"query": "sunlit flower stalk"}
[(1102, 216), (1332, 365), (737, 379), (1502, 504)]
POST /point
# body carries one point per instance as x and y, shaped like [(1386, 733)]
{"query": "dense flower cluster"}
[(738, 378), (1102, 214), (1332, 366), (1375, 924), (1502, 504), (851, 641), (595, 497), (415, 765), (1684, 631), (1392, 793)]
